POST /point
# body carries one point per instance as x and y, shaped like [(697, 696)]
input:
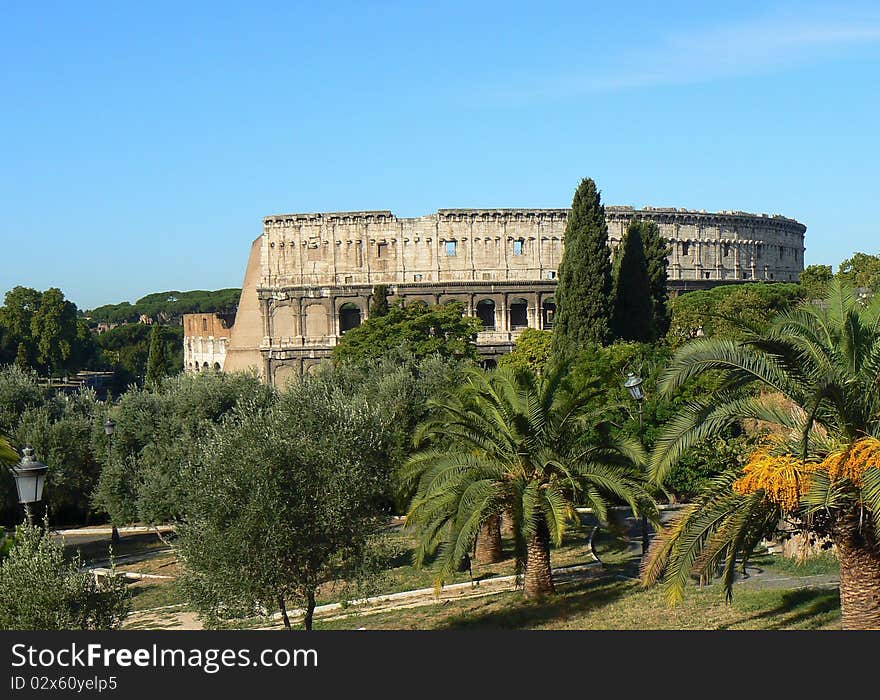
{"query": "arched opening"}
[(216, 366), (519, 314), (548, 311), (205, 365), (486, 312), (283, 375), (349, 317), (316, 321), (489, 364)]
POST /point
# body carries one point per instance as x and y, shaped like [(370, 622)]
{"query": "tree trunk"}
[(310, 610), (283, 608), (539, 575), (489, 541), (859, 577), (507, 524)]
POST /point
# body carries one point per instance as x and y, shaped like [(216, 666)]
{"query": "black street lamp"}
[(633, 385), (30, 477), (109, 429)]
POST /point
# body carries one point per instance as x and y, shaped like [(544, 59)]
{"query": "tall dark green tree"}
[(379, 305), (633, 312), (657, 255), (583, 298), (157, 363)]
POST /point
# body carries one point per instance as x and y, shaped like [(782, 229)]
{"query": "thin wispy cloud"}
[(708, 54)]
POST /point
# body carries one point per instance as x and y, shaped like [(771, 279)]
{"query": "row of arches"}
[(204, 367), (317, 322), (518, 313)]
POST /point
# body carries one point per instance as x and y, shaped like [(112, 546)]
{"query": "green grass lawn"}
[(610, 599), (146, 595), (607, 603)]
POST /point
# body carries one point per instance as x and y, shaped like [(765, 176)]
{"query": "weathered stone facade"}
[(205, 341), (311, 276)]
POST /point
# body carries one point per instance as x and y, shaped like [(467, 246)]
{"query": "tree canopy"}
[(423, 330), (274, 513), (583, 296), (167, 307), (633, 304)]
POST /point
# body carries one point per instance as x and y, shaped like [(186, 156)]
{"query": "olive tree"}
[(41, 590), (283, 500)]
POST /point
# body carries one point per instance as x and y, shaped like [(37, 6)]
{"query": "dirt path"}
[(173, 618)]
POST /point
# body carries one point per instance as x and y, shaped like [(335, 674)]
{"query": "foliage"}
[(861, 270), (633, 305), (379, 305), (730, 311), (167, 307), (40, 590), (274, 512), (126, 349), (63, 431), (817, 365), (424, 330), (583, 296), (158, 430), (532, 351), (44, 332), (158, 365), (512, 441), (815, 280), (657, 251)]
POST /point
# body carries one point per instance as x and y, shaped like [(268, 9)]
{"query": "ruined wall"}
[(311, 276), (206, 340), (249, 329), (458, 245)]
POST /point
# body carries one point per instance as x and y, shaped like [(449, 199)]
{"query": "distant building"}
[(205, 341), (310, 277), (145, 320)]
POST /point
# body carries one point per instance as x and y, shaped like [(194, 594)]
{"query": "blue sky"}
[(141, 144)]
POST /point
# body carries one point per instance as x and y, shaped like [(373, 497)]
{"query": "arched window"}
[(519, 314), (216, 366), (349, 317), (486, 312), (548, 310)]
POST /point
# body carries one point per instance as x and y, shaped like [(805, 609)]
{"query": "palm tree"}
[(532, 447), (814, 379), (7, 454)]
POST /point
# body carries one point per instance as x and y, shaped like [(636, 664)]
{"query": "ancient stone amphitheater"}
[(310, 277)]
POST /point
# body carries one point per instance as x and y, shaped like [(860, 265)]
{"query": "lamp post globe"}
[(109, 429), (633, 385), (30, 477)]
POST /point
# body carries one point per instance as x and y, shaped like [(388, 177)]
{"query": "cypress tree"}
[(157, 362), (633, 315), (657, 254), (379, 304), (583, 297)]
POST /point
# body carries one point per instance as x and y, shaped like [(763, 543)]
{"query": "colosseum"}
[(310, 277)]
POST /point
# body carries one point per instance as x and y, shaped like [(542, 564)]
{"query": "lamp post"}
[(633, 385), (109, 429), (30, 477)]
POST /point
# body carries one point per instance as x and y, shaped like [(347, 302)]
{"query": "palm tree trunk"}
[(859, 577), (489, 541), (539, 575), (507, 524)]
